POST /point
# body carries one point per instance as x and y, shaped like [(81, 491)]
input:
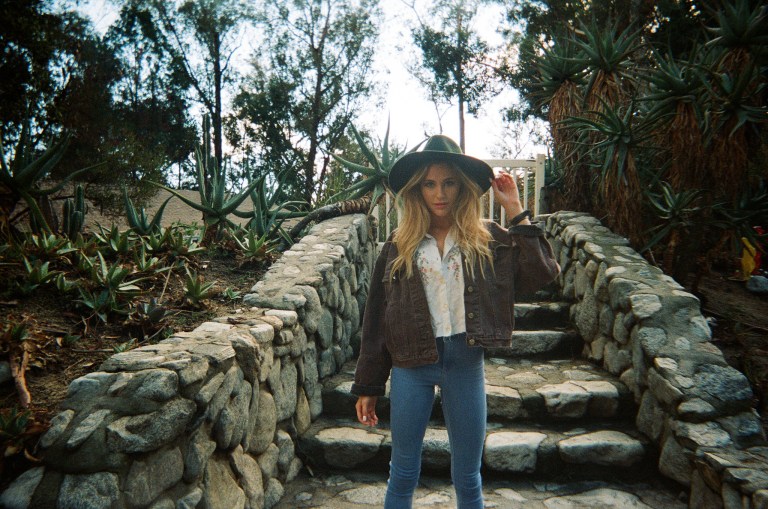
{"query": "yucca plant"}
[(138, 220), (217, 204), (364, 195)]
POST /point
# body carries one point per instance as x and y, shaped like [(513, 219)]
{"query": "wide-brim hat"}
[(439, 148)]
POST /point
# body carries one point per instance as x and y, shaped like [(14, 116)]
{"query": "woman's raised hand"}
[(366, 410), (506, 193)]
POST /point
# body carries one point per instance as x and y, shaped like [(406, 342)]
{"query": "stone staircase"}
[(550, 414)]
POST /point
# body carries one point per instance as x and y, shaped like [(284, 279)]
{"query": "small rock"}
[(758, 284)]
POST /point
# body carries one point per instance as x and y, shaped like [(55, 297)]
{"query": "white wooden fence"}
[(530, 179)]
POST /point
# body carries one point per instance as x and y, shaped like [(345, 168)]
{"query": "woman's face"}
[(440, 189)]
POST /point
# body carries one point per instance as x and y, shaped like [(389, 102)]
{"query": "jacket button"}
[(470, 315), (470, 289), (471, 342)]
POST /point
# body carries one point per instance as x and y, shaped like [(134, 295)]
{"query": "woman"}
[(442, 288)]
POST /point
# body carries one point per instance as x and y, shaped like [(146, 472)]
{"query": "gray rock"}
[(696, 410), (705, 434), (602, 448), (758, 284), (221, 489), (504, 402), (348, 447), (144, 433), (89, 491), (644, 305), (268, 461), (266, 422), (325, 329), (603, 397), (287, 450), (303, 413), (273, 493), (722, 386), (512, 451), (232, 379), (155, 385), (153, 475), (263, 332), (565, 400), (436, 452), (289, 318), (601, 498), (284, 389), (206, 393), (194, 372), (59, 424), (198, 452), (247, 353), (247, 470), (650, 416), (86, 428), (19, 494), (674, 462), (233, 420)]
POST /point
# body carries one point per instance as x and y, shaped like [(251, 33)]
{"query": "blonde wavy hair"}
[(468, 229)]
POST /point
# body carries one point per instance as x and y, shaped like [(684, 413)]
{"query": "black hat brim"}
[(405, 167)]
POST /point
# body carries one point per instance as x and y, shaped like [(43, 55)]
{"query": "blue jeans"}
[(460, 375)]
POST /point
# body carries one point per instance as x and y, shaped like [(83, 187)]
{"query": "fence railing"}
[(530, 179)]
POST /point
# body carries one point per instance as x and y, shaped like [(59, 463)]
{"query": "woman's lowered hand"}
[(366, 410)]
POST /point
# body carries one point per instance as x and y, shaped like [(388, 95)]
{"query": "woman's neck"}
[(439, 227)]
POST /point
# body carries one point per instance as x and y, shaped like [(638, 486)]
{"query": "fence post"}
[(539, 180)]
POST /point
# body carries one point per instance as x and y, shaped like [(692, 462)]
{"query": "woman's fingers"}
[(366, 410)]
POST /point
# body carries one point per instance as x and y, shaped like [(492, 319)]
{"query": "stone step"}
[(553, 450), (541, 344), (542, 315), (518, 390)]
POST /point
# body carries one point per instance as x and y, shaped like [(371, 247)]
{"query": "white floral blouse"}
[(443, 280)]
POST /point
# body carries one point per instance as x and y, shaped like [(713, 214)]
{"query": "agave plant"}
[(73, 214), (362, 196), (215, 204), (267, 215), (138, 220)]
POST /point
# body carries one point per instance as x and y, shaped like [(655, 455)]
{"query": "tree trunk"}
[(217, 77)]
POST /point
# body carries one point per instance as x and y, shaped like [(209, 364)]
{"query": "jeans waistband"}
[(461, 336)]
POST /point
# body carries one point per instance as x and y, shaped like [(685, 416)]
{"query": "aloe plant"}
[(138, 221), (215, 204), (740, 26), (268, 215), (197, 290), (361, 196)]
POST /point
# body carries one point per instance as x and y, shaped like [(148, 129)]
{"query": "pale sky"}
[(405, 101)]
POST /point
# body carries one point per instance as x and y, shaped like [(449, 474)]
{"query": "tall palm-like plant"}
[(614, 139), (560, 73)]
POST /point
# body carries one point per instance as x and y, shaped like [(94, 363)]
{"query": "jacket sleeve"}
[(535, 264), (374, 362)]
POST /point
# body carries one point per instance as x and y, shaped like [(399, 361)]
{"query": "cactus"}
[(73, 214)]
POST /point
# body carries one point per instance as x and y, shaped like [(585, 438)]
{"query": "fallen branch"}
[(19, 374)]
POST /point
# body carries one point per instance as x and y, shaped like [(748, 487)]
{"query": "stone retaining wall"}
[(643, 326), (209, 418)]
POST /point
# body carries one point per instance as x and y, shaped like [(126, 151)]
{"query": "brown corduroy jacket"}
[(397, 329)]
